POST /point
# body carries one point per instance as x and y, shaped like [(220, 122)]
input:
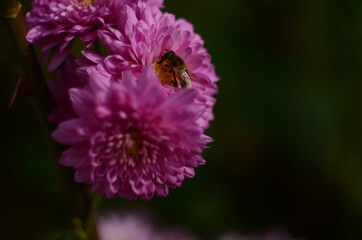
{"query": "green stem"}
[(89, 227), (78, 197)]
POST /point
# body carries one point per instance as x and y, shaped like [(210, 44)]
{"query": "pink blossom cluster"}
[(136, 226), (132, 129)]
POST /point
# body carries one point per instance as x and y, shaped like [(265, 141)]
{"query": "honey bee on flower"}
[(172, 70)]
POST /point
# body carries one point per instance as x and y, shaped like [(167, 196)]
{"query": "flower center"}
[(133, 143), (125, 148), (124, 144)]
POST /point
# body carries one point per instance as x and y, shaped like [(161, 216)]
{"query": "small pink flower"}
[(57, 23), (130, 138), (135, 226), (125, 226)]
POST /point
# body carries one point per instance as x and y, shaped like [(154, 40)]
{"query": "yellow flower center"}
[(136, 144), (85, 2)]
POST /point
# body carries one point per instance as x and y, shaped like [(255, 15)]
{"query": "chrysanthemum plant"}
[(133, 117)]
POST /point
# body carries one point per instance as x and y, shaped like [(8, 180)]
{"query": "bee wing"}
[(184, 78)]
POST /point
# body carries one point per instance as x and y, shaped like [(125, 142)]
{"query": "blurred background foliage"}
[(288, 128)]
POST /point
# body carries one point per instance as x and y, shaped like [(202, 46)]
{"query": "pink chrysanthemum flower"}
[(57, 23), (133, 226), (141, 37), (130, 138)]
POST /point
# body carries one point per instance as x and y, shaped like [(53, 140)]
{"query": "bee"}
[(172, 70)]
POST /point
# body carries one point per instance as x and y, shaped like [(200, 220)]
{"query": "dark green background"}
[(288, 130)]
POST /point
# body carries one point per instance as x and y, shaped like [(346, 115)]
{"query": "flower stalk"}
[(12, 23)]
